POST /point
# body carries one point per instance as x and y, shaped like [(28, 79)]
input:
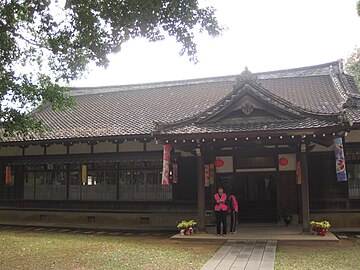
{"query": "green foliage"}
[(45, 43), (320, 224), (318, 255), (352, 66), (50, 250), (186, 224), (358, 7)]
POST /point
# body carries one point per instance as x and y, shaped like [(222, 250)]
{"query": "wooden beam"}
[(304, 189), (201, 193)]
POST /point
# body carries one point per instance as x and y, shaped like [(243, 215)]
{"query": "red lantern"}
[(283, 161), (219, 163)]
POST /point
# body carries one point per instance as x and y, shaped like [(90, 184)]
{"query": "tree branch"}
[(32, 42)]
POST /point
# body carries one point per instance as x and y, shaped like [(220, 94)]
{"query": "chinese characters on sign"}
[(340, 160), (166, 165)]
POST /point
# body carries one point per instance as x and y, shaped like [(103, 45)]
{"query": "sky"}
[(261, 34)]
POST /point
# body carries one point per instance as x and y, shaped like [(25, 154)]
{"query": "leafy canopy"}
[(352, 66), (45, 43)]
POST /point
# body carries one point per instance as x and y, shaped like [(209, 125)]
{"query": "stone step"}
[(243, 255)]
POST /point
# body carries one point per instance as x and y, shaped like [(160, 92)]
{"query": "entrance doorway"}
[(256, 194)]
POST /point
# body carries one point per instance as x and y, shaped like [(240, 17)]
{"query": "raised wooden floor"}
[(261, 233)]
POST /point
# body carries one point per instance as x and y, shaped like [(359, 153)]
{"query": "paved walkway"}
[(243, 255)]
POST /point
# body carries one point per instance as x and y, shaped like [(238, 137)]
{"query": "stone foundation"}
[(164, 220)]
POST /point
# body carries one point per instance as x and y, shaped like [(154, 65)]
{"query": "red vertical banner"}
[(84, 174), (207, 175), (166, 165), (298, 172), (8, 175), (175, 173), (340, 160), (212, 174)]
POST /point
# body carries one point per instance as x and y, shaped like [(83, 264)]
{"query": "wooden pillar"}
[(277, 181), (201, 193), (304, 189)]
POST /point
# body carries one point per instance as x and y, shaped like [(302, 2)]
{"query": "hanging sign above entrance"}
[(287, 162), (219, 163), (227, 164), (283, 161)]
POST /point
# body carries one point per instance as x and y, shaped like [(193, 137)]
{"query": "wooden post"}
[(277, 181), (304, 189), (201, 193)]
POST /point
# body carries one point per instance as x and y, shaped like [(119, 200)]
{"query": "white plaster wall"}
[(34, 150), (131, 146), (80, 148), (105, 147), (152, 146), (56, 149), (321, 148), (10, 151), (184, 154), (353, 136)]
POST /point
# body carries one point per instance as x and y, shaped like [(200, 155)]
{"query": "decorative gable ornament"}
[(350, 103), (247, 109), (246, 76), (344, 117)]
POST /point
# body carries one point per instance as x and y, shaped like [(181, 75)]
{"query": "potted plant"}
[(320, 227), (287, 213), (187, 227)]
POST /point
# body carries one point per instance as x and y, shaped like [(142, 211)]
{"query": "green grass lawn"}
[(344, 255), (42, 250)]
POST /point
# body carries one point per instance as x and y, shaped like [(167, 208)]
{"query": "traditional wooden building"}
[(269, 134)]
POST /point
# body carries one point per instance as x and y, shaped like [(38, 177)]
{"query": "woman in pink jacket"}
[(221, 208), (233, 210)]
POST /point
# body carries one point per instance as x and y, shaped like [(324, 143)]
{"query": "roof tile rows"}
[(133, 109), (280, 125)]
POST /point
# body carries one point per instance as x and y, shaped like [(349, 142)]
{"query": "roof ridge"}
[(152, 85), (325, 65), (79, 91), (344, 78), (339, 84)]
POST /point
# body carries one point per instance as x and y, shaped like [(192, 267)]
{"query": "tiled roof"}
[(277, 125), (133, 109)]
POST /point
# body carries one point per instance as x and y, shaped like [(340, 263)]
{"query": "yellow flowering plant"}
[(321, 224), (187, 227), (320, 227)]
